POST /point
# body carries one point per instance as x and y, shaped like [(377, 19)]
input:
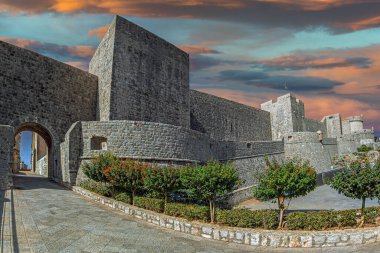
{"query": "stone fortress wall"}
[(137, 104), (318, 141)]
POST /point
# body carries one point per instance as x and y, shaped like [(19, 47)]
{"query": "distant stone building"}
[(39, 156), (16, 153), (136, 102)]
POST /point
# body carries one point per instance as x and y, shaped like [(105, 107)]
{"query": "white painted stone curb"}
[(254, 237)]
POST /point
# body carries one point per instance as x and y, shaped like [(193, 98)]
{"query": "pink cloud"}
[(98, 32)]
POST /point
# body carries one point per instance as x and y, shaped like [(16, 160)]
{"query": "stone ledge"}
[(253, 237)]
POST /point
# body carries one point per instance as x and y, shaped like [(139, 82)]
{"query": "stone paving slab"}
[(40, 216)]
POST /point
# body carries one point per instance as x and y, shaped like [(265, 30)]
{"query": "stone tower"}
[(141, 77), (287, 115)]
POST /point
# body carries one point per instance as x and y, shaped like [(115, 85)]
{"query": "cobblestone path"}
[(40, 216)]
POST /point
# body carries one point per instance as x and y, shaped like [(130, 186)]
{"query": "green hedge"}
[(152, 204), (96, 187), (190, 212), (246, 218), (371, 214), (123, 197), (320, 220)]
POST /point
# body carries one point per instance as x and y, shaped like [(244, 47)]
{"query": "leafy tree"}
[(94, 169), (289, 179), (361, 180), (128, 175), (163, 180), (209, 182)]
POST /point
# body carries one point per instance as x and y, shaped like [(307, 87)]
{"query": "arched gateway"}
[(42, 95)]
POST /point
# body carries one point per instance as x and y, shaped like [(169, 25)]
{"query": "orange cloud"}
[(301, 61), (81, 51), (51, 48), (272, 13), (78, 64), (198, 49), (364, 24), (98, 32), (313, 5)]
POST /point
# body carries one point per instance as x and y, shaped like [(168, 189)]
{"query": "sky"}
[(327, 52), (25, 147)]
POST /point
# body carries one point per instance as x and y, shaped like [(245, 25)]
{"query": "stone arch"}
[(51, 138)]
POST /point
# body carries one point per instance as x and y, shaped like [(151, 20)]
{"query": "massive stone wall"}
[(71, 151), (38, 89), (349, 143), (146, 140), (101, 65), (306, 145), (6, 154), (147, 80), (222, 119), (243, 149), (311, 125)]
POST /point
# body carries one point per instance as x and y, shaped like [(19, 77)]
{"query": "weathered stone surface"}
[(255, 239), (306, 241), (40, 94), (218, 117), (6, 154), (147, 79)]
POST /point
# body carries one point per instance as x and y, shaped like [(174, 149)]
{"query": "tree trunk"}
[(362, 218), (281, 207), (133, 197), (212, 210), (165, 200)]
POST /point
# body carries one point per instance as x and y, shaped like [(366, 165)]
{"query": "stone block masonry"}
[(6, 154), (144, 78), (226, 120), (146, 140), (39, 89)]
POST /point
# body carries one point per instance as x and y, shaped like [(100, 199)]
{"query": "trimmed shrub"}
[(96, 187), (246, 218), (189, 212), (285, 180), (127, 175), (123, 197), (210, 182), (371, 214), (320, 220), (360, 181), (94, 169), (156, 205), (162, 180)]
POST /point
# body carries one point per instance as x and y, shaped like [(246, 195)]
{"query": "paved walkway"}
[(40, 216), (322, 198)]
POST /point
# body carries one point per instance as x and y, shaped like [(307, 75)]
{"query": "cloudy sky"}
[(326, 51)]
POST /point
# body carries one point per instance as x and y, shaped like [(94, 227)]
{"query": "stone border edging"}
[(254, 237)]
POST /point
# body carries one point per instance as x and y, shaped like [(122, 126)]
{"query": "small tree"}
[(113, 175), (361, 180), (127, 175), (94, 169), (290, 179), (163, 180), (209, 182)]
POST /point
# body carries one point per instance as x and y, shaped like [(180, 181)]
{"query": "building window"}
[(98, 143), (249, 145)]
